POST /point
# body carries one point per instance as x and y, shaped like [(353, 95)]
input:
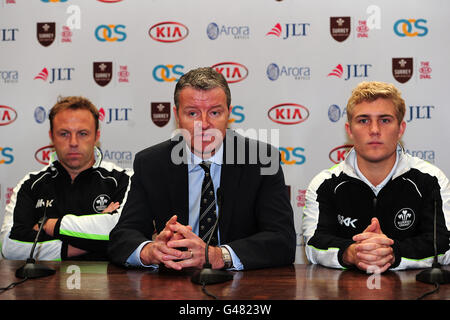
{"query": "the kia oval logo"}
[(168, 31), (338, 154), (42, 155), (7, 115), (232, 71), (288, 113)]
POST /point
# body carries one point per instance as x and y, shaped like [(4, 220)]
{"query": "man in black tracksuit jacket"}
[(79, 193), (375, 210)]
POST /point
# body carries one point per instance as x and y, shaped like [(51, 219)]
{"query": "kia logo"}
[(42, 155), (338, 154), (168, 31), (232, 71), (288, 113), (7, 115)]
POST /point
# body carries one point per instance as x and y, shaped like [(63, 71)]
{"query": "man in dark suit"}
[(175, 196)]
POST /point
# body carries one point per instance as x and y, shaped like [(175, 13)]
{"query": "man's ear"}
[(348, 129), (50, 135), (175, 113), (402, 129)]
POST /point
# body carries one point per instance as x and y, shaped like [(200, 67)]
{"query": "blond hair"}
[(372, 90)]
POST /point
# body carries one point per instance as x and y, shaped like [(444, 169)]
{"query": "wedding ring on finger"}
[(192, 254)]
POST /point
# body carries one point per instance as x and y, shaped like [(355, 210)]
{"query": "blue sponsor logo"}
[(40, 114), (214, 31), (274, 72), (335, 113)]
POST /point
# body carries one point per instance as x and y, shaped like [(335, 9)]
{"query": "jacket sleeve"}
[(272, 242), (322, 246), (417, 251), (135, 225), (17, 233), (91, 232)]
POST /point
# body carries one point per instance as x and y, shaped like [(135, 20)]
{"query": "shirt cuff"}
[(134, 259)]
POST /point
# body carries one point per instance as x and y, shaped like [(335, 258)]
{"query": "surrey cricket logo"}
[(100, 203), (404, 219)]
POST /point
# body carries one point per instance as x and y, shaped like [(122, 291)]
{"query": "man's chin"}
[(205, 152)]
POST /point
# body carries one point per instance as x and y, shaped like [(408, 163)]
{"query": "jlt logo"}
[(8, 34), (291, 30), (352, 71), (409, 27), (419, 112), (114, 114), (56, 74), (110, 33)]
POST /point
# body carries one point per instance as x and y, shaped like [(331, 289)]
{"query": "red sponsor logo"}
[(168, 31), (7, 115), (42, 155), (232, 71), (276, 31), (288, 113), (338, 154), (337, 71), (425, 70)]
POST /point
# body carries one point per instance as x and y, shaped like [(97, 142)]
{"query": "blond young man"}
[(374, 211)]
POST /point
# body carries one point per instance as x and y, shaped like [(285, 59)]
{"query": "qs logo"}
[(411, 28), (168, 72), (290, 155), (110, 32)]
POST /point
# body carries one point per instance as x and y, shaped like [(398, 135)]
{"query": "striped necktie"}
[(207, 206)]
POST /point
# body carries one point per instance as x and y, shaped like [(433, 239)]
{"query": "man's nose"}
[(205, 121), (73, 141), (374, 127)]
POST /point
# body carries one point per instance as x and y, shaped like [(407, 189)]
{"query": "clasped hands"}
[(372, 251), (165, 248)]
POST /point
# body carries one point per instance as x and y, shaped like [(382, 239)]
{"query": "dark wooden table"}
[(76, 280)]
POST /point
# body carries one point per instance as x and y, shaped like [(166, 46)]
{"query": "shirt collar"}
[(380, 186), (194, 160)]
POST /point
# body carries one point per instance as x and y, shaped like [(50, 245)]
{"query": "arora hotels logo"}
[(168, 31), (232, 71), (214, 31)]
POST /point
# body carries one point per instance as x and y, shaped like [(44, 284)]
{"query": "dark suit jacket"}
[(256, 219)]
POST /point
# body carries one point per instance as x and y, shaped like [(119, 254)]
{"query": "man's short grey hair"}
[(205, 78)]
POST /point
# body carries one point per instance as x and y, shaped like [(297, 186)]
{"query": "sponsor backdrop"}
[(291, 66)]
